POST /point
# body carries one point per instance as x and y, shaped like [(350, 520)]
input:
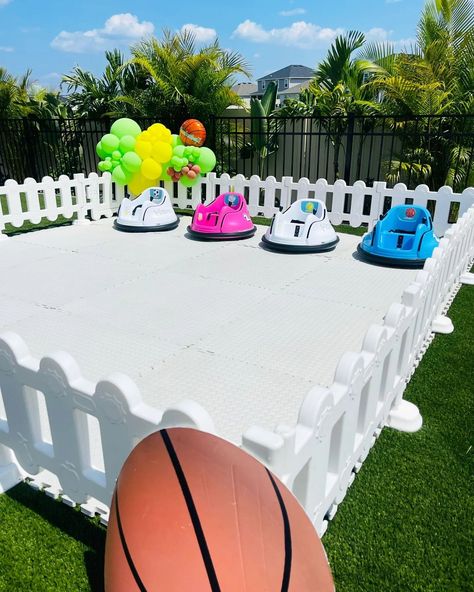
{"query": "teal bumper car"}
[(404, 237)]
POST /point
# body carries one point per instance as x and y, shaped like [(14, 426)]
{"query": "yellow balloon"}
[(145, 136), (166, 136), (151, 169), (143, 149), (139, 183), (159, 132), (161, 152), (156, 129)]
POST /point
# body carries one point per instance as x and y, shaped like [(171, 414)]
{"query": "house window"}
[(286, 83), (263, 84)]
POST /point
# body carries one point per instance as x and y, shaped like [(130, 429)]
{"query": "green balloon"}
[(109, 143), (105, 165), (125, 127), (121, 176), (115, 163), (116, 155), (131, 162), (100, 150), (179, 150), (206, 160), (187, 182), (108, 158), (164, 173), (176, 140), (127, 144)]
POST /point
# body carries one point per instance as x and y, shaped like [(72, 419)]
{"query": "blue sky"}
[(52, 36)]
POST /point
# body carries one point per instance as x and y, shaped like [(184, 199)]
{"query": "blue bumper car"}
[(404, 237)]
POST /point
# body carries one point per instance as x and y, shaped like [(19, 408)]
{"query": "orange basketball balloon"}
[(193, 513), (192, 133)]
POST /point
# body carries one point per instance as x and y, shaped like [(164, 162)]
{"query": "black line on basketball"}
[(286, 527), (131, 565), (206, 556)]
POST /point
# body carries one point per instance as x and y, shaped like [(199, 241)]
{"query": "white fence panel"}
[(65, 448), (337, 426), (96, 196)]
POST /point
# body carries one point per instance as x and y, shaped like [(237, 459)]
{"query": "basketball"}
[(192, 133), (192, 511)]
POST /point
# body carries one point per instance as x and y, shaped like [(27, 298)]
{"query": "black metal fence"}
[(435, 150), (39, 147)]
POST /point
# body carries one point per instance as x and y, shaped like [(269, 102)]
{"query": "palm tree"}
[(338, 90), (434, 77), (21, 97), (111, 95), (183, 81)]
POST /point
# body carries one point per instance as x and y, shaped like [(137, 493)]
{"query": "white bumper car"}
[(151, 211), (304, 227)]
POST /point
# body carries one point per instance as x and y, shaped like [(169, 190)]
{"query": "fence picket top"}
[(396, 315), (350, 369), (118, 397), (14, 352), (62, 374), (375, 340)]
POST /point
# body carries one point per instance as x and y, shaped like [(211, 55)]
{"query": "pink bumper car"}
[(225, 218)]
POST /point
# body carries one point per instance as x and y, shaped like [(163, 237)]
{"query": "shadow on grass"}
[(71, 522)]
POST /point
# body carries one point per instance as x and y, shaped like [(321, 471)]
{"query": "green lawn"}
[(407, 523)]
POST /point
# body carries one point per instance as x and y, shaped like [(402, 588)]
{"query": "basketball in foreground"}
[(192, 512)]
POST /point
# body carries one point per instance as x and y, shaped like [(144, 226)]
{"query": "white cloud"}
[(202, 34), (6, 48), (292, 12), (299, 34), (305, 35), (4, 2), (118, 29), (377, 34)]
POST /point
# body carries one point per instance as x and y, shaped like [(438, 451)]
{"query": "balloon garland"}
[(140, 159)]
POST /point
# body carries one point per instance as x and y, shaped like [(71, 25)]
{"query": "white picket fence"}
[(95, 196), (66, 444), (317, 458)]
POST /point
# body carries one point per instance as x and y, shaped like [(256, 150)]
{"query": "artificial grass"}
[(45, 546), (28, 226), (407, 523)]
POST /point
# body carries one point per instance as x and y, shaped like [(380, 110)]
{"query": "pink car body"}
[(227, 217)]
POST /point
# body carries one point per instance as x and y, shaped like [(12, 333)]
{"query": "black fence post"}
[(211, 135), (349, 142), (30, 152)]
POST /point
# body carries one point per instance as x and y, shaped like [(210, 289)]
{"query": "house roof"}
[(292, 71), (295, 89), (245, 89)]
